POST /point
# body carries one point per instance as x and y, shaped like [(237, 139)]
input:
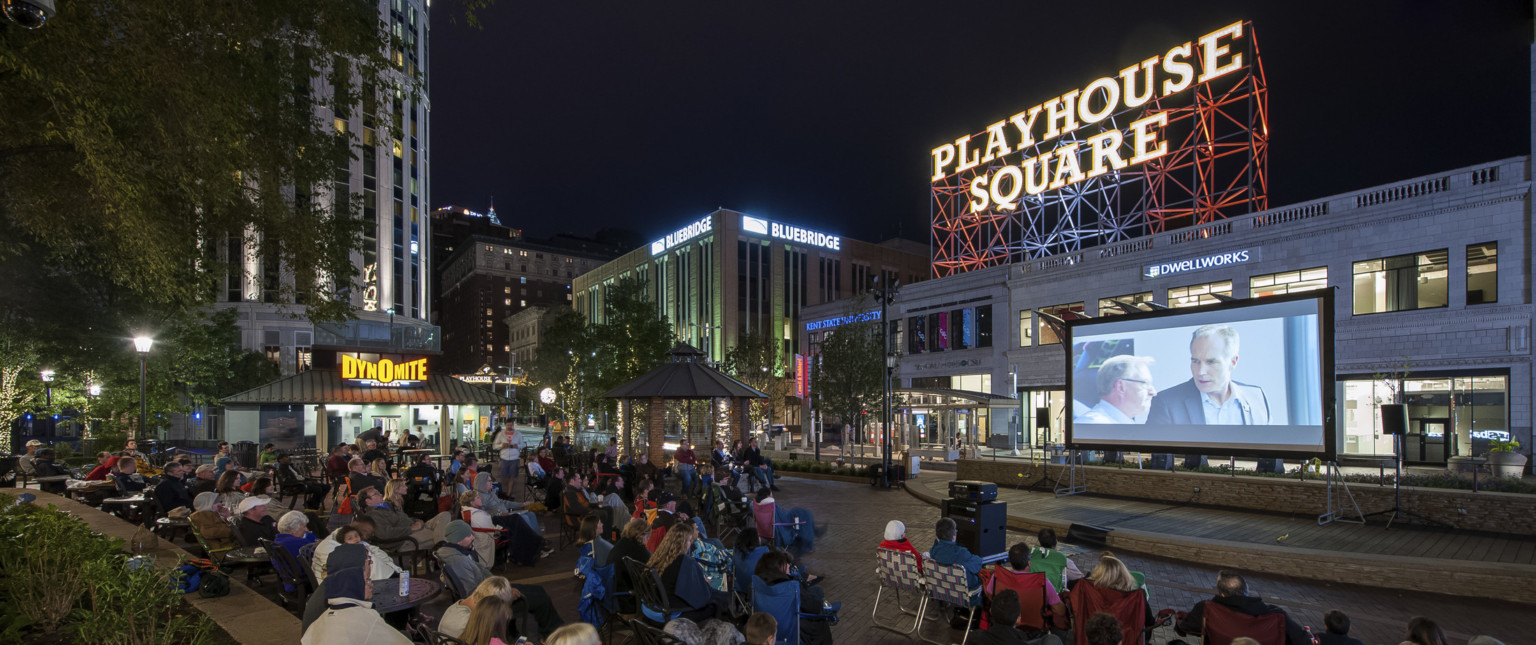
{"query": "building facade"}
[(730, 275), (390, 175), (488, 279), (525, 330), (1432, 280)]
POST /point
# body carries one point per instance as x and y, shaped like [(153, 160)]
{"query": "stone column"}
[(322, 431), (444, 423), (744, 419), (655, 432)]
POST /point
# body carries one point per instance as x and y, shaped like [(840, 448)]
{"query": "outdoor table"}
[(387, 598), (130, 500)]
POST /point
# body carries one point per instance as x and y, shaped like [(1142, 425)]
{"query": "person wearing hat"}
[(254, 522), (289, 477), (896, 540), (465, 571), (25, 463), (349, 616), (666, 517), (51, 475)]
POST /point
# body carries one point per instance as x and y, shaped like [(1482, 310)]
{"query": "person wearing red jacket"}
[(896, 540)]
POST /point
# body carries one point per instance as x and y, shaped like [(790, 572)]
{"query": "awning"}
[(326, 386), (979, 398)]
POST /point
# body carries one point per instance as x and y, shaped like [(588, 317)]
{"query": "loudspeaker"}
[(1042, 418), (1088, 536), (1112, 457), (1192, 462), (1268, 465), (981, 527), (1394, 418), (1160, 461)]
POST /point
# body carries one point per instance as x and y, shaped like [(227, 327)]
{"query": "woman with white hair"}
[(293, 532), (896, 540)]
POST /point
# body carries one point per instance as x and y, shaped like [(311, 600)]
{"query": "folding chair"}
[(782, 601), (1032, 599), (1128, 607), (307, 558), (764, 515), (533, 485), (648, 635), (898, 571), (290, 574), (951, 586), (1220, 626), (655, 604)]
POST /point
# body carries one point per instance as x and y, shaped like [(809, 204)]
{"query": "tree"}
[(556, 365), (847, 377), (139, 136), (758, 360)]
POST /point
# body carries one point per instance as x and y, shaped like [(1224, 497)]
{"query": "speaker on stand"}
[(1394, 422)]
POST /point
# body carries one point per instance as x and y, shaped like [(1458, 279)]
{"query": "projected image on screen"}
[(1243, 379)]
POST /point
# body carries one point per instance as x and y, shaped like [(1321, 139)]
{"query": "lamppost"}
[(142, 344), (92, 390), (887, 292), (47, 376)]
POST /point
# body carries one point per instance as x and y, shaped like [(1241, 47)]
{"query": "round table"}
[(387, 598)]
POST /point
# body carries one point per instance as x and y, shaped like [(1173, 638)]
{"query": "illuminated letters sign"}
[(1177, 139), (835, 322), (682, 235), (371, 287), (383, 373), (1218, 260), (802, 383), (791, 233)]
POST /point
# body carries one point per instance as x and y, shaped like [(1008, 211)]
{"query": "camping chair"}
[(898, 571), (424, 634), (216, 555), (307, 558), (1220, 625), (456, 589), (655, 604), (488, 542), (570, 527), (533, 485), (764, 515), (1032, 599), (1128, 607), (290, 574), (950, 586), (648, 635), (782, 601), (602, 600)]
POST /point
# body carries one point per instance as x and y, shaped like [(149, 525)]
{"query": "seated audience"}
[(495, 505), (362, 528), (761, 628), (748, 552), (1019, 561), (105, 462), (211, 520), (254, 523), (457, 615), (1336, 630), (896, 540), (171, 493), (293, 532), (488, 623), (758, 466), (465, 570), (1103, 629), (795, 529), (349, 616), (521, 544), (631, 545), (589, 540), (203, 480), (1232, 593), (290, 479), (1005, 614), (773, 568), (359, 478), (1045, 559), (390, 522), (1421, 631), (946, 552), (127, 477), (228, 488), (682, 579), (45, 466), (574, 634)]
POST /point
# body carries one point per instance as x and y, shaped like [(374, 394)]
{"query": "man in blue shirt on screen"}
[(1125, 391), (1211, 397)]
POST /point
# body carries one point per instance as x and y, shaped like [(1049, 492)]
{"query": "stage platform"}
[(1405, 557)]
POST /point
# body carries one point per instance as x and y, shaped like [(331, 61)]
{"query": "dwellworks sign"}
[(1199, 264)]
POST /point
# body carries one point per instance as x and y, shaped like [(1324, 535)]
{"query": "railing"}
[(403, 336)]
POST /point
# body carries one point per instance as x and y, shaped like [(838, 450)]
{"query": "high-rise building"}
[(389, 174)]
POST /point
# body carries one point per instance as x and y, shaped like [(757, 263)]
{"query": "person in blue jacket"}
[(946, 552), (749, 550)]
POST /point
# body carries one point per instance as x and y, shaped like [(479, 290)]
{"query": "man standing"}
[(510, 442), (1211, 397), (171, 492), (1125, 391), (687, 468), (1232, 593)]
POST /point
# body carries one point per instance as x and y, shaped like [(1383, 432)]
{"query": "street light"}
[(887, 293), (92, 390), (142, 344), (48, 386)]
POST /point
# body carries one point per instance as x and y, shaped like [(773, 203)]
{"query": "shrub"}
[(44, 557)]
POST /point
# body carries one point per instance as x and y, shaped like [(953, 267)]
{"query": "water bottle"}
[(405, 583)]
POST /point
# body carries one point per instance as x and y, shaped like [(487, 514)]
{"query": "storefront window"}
[(1107, 305), (1447, 416), (1400, 283), (1051, 428), (1483, 273), (1196, 295), (1047, 335), (1275, 284)]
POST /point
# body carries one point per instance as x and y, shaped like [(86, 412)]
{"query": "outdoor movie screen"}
[(1247, 378)]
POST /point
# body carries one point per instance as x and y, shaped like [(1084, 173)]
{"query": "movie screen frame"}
[(1228, 311)]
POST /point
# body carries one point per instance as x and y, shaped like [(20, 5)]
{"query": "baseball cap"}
[(34, 442), (250, 503)]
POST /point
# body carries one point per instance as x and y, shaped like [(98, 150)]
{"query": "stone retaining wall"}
[(1510, 513)]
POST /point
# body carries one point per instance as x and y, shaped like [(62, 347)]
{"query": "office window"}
[(487, 311), (1026, 328), (984, 326), (1047, 335), (1401, 283), (917, 342), (1482, 273), (1275, 284), (507, 290), (1108, 308), (508, 301), (1198, 294)]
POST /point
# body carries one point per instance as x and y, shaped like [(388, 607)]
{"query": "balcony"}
[(401, 336)]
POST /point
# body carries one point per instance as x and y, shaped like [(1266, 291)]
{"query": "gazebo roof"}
[(683, 378)]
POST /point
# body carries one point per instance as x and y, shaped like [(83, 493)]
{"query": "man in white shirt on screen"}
[(1211, 397), (1125, 391)]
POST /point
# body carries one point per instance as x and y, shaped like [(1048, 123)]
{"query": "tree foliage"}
[(759, 361), (848, 376), (139, 135)]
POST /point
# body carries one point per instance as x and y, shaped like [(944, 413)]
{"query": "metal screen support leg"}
[(1073, 470), (1338, 491)]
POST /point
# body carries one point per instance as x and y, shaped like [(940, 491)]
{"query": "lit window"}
[(1401, 283), (1107, 305), (1047, 335), (507, 290), (1482, 273), (508, 301), (522, 303), (1026, 328), (341, 125), (1275, 284), (1198, 294), (506, 348), (523, 280), (487, 311)]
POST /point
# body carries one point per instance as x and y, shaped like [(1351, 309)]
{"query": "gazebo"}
[(667, 397)]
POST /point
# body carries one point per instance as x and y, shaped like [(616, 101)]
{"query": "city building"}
[(487, 279), (728, 274), (525, 329), (390, 175)]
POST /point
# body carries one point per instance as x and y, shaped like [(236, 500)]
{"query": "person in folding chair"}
[(1232, 593), (946, 552), (349, 616), (682, 578), (793, 529), (1005, 613), (465, 571), (773, 589)]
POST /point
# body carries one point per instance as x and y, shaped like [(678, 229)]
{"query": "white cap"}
[(250, 503)]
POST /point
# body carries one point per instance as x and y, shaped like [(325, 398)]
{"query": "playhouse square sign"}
[(1073, 160)]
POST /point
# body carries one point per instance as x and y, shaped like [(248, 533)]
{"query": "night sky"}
[(647, 115)]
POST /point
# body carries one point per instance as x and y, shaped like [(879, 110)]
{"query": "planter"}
[(1507, 464)]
